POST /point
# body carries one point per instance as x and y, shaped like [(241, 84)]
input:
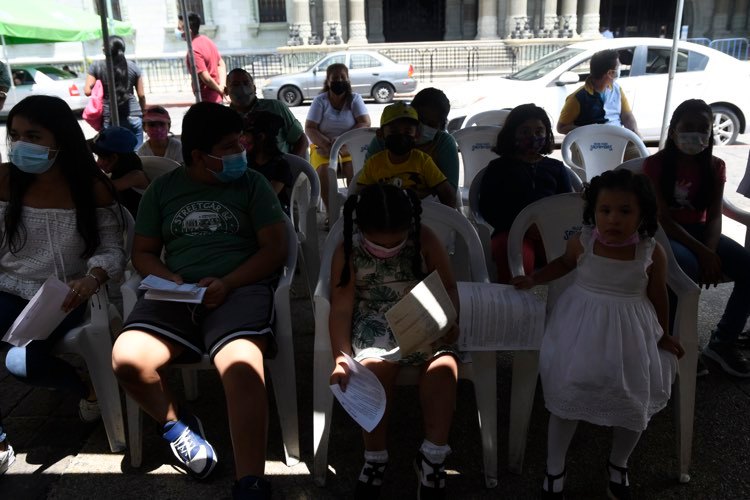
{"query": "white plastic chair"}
[(602, 148), (304, 201), (93, 342), (468, 265), (494, 117), (357, 141), (154, 166), (559, 217), (281, 367), (475, 145)]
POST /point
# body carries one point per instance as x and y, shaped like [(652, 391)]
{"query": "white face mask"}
[(691, 143), (179, 35), (426, 134)]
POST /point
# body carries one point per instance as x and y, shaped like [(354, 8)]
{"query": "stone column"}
[(550, 18), (452, 20), (590, 21), (517, 22), (299, 26), (331, 22), (568, 18), (487, 20), (739, 19), (357, 26)]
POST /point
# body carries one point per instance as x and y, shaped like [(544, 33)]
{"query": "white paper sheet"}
[(498, 317), (160, 289), (422, 316), (41, 315), (364, 398)]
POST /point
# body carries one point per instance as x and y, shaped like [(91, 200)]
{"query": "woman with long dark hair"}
[(127, 79), (59, 219)]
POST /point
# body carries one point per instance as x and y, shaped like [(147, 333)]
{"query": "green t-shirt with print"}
[(207, 230)]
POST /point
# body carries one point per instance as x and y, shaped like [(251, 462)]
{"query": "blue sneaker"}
[(189, 445)]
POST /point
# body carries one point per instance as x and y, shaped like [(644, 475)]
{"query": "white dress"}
[(599, 360)]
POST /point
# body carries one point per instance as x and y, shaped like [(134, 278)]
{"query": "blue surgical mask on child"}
[(234, 167), (426, 134), (380, 252), (31, 158), (531, 143)]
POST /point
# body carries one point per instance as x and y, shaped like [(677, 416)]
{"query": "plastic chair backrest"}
[(357, 142), (602, 147), (475, 145), (304, 197), (494, 117), (155, 166)]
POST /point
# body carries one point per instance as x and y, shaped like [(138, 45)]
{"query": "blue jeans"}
[(735, 264), (35, 364)]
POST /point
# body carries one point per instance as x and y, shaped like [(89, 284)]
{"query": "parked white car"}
[(42, 79), (703, 73)]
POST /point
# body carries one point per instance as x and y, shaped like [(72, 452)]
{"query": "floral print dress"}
[(379, 284)]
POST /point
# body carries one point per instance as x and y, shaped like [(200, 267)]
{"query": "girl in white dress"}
[(607, 356)]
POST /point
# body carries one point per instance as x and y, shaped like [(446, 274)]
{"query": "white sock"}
[(623, 444), (559, 434), (376, 457), (433, 452), (430, 476)]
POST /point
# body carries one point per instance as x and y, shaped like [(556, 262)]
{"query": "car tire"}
[(290, 95), (726, 126), (383, 92)]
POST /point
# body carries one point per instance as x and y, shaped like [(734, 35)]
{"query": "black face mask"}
[(339, 87), (399, 144)]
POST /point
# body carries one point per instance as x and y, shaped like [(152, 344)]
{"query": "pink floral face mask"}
[(632, 240)]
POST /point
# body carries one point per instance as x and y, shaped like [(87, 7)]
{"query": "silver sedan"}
[(47, 80), (371, 73)]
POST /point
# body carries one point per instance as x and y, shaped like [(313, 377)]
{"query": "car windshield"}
[(546, 64), (54, 73)]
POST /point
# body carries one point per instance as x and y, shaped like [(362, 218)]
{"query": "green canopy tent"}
[(46, 21)]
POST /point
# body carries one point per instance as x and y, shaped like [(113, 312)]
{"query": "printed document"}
[(498, 317), (364, 398), (160, 289), (422, 316), (41, 315)]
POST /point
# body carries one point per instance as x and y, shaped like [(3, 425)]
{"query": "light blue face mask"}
[(234, 167), (179, 35), (31, 158), (426, 134)]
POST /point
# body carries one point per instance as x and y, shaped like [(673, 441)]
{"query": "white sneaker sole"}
[(714, 356)]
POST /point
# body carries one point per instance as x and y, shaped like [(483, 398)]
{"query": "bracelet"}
[(98, 283)]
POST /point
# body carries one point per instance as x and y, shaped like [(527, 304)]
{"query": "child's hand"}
[(671, 344), (710, 269), (523, 282), (216, 292), (340, 373)]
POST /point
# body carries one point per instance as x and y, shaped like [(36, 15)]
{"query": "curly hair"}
[(382, 207), (627, 181), (506, 138)]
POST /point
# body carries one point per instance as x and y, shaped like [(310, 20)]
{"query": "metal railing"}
[(735, 47)]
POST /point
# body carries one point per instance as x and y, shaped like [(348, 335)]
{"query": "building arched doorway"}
[(413, 20)]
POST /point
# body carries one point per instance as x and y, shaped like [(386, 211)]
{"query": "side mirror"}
[(567, 78)]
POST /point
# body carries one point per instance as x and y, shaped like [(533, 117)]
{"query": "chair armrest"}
[(129, 291), (735, 213)]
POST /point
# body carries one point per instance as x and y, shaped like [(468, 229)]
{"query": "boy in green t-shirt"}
[(401, 164), (220, 225)]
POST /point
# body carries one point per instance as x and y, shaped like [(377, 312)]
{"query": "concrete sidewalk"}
[(61, 458)]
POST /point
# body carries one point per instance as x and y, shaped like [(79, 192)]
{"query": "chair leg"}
[(525, 372), (285, 392), (190, 383), (485, 390), (322, 412), (92, 345), (684, 407), (135, 430)]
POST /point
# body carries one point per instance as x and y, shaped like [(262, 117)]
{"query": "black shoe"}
[(251, 488), (431, 478), (621, 490), (729, 357), (549, 482), (370, 489), (743, 341), (701, 369)]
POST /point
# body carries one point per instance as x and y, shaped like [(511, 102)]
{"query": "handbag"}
[(93, 113)]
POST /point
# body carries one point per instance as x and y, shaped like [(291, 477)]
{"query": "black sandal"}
[(550, 480), (621, 490)]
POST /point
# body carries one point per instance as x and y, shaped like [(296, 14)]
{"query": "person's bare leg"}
[(137, 360), (323, 176), (386, 373), (348, 170), (240, 365), (437, 394)]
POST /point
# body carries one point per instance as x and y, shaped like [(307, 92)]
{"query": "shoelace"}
[(375, 472), (438, 475), (186, 444)]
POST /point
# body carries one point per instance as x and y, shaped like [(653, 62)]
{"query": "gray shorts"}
[(247, 311)]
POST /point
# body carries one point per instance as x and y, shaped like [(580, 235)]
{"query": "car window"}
[(657, 60), (359, 61), (340, 59), (22, 77), (55, 73), (546, 64)]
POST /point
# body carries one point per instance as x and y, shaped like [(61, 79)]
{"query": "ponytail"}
[(416, 210)]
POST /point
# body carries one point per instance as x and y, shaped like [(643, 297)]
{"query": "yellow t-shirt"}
[(419, 172)]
